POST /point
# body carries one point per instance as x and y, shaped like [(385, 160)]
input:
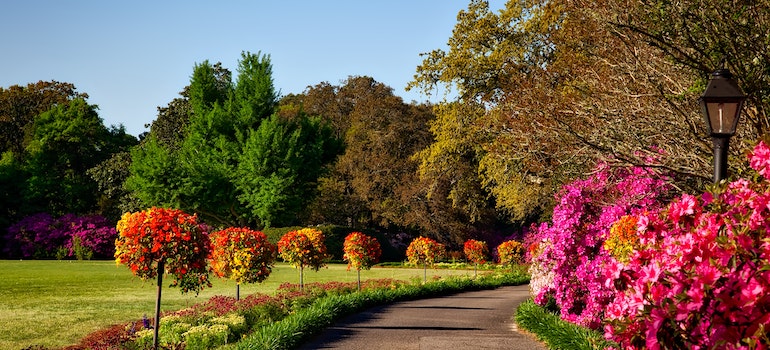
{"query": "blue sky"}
[(132, 56)]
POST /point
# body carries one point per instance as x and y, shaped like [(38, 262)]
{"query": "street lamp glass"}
[(721, 104)]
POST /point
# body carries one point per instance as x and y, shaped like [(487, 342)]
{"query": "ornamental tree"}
[(510, 252), (160, 240), (425, 251), (476, 252), (242, 254), (361, 252), (302, 248)]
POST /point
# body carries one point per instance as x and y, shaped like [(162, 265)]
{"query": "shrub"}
[(510, 252), (41, 236), (361, 251), (241, 254), (476, 251), (570, 247), (701, 274)]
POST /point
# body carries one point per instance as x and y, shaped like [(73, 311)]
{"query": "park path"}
[(468, 320)]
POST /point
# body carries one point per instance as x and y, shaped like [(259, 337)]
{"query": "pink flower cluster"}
[(698, 277), (701, 278), (570, 249)]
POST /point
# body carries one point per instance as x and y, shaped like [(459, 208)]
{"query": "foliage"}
[(42, 236), (698, 278), (510, 252), (238, 162), (242, 254), (361, 251), (164, 236), (279, 167), (581, 222), (425, 251), (476, 251), (20, 106), (304, 247), (562, 84), (557, 333)]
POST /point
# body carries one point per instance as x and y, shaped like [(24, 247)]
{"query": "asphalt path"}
[(468, 320)]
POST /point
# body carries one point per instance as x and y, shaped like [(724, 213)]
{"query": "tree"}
[(67, 141), (20, 106), (562, 84), (476, 251), (425, 251), (156, 241), (361, 252), (510, 252), (302, 248), (241, 254), (212, 169), (281, 163)]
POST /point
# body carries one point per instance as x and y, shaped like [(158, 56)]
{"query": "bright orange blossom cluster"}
[(171, 236), (361, 251)]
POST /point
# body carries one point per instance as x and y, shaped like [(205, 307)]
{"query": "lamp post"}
[(721, 105)]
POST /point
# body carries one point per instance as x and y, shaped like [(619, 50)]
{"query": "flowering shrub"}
[(510, 252), (424, 251), (570, 248), (361, 251), (476, 251), (623, 239), (304, 247), (169, 237), (701, 274), (241, 254), (42, 236)]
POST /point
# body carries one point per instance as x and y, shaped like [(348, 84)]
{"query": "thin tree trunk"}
[(155, 339), (301, 278), (237, 291), (359, 279)]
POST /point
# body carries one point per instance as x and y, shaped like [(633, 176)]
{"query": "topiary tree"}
[(425, 251), (476, 252), (510, 252), (243, 255), (361, 252), (159, 240), (302, 248)]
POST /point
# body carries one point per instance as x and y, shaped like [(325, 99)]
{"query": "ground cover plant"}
[(56, 303)]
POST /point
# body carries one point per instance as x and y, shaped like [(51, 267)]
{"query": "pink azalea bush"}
[(700, 278), (567, 263)]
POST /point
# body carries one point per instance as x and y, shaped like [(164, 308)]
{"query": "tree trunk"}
[(155, 339), (301, 278)]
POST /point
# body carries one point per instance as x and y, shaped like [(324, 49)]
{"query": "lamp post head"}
[(721, 104)]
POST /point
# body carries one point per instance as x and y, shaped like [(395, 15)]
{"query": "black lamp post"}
[(721, 104)]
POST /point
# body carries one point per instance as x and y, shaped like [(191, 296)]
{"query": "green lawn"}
[(55, 303)]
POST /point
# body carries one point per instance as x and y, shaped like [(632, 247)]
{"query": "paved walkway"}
[(469, 320)]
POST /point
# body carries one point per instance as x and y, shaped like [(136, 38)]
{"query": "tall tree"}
[(282, 161), (20, 105), (67, 141), (565, 83), (211, 169)]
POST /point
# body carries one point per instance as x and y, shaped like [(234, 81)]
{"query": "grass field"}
[(56, 303)]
